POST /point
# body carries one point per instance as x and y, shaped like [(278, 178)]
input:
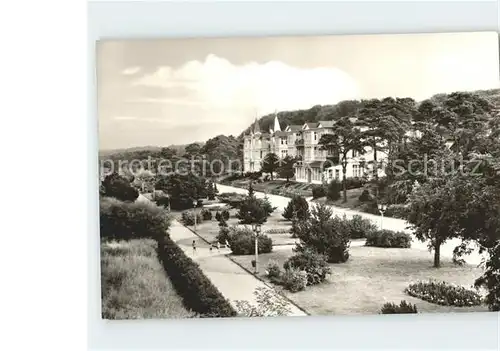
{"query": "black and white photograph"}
[(299, 175)]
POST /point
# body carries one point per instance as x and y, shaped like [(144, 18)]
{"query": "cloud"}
[(217, 83), (131, 70)]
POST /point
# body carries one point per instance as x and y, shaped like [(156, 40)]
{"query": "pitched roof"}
[(294, 127), (256, 128), (280, 133), (327, 124), (311, 124)]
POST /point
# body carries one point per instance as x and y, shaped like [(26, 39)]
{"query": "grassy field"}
[(208, 230), (303, 189), (134, 284), (352, 199), (371, 277)]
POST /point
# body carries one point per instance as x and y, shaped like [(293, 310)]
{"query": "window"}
[(261, 154), (330, 174), (337, 174), (297, 134), (315, 136), (355, 170), (354, 153)]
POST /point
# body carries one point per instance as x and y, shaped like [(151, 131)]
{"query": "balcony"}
[(299, 142)]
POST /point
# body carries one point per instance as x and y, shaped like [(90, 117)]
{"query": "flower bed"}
[(443, 293)]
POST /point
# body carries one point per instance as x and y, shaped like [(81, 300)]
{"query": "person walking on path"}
[(194, 247)]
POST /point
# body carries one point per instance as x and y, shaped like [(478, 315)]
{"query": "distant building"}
[(303, 141)]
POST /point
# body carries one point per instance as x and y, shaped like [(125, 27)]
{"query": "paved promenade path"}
[(388, 223), (233, 282)]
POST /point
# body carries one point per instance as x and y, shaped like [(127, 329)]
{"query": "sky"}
[(178, 91)]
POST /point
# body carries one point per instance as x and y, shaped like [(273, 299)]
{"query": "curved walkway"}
[(233, 281), (387, 222)]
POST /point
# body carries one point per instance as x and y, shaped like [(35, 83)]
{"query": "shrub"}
[(443, 293), (126, 220), (318, 191), (324, 234), (404, 307), (206, 215), (354, 183), (197, 291), (269, 303), (223, 235), (242, 242), (360, 227), (396, 211), (232, 199), (251, 211), (365, 196), (333, 191), (388, 238), (273, 270), (218, 216), (294, 279), (266, 205), (312, 263), (225, 215), (296, 206), (188, 217), (163, 201)]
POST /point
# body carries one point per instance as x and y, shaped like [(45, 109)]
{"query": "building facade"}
[(302, 141)]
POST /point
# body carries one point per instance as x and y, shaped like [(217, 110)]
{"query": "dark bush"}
[(126, 220), (119, 187), (163, 201), (273, 270), (360, 227), (197, 291), (396, 211), (312, 263), (365, 196), (223, 235), (318, 191), (404, 307), (293, 279), (333, 191), (388, 238), (354, 183), (206, 214), (242, 242), (297, 206), (225, 215), (443, 293), (218, 216), (188, 217)]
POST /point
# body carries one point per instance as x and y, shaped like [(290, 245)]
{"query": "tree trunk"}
[(437, 254), (344, 182), (375, 165)]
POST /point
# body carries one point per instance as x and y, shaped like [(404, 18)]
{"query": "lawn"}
[(134, 284), (371, 277), (352, 199), (269, 186), (209, 229)]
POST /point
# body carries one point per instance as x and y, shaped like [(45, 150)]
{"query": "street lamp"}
[(257, 228), (381, 208), (195, 203)]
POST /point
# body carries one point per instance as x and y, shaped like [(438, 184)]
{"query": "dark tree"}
[(270, 164), (286, 169), (119, 187), (345, 138)]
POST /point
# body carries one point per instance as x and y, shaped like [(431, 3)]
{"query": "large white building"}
[(303, 141)]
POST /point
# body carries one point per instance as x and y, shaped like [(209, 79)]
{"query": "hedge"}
[(197, 291), (388, 238)]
